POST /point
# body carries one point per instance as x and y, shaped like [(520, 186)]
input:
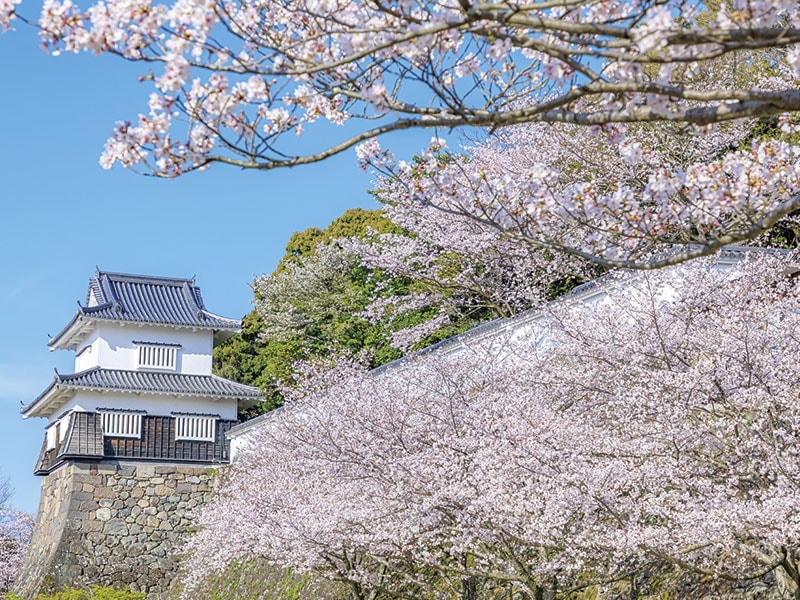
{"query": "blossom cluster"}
[(236, 81), (461, 270), (648, 423), (558, 188), (16, 528), (7, 13)]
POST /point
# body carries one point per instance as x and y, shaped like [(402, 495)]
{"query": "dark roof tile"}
[(157, 382), (147, 299), (176, 384)]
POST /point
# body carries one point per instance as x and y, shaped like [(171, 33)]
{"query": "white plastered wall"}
[(153, 404), (111, 346), (86, 354), (238, 443)]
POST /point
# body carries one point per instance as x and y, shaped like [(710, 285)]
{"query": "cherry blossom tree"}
[(647, 424), (309, 298), (237, 82), (672, 196), (16, 528), (460, 270), (235, 78), (422, 277)]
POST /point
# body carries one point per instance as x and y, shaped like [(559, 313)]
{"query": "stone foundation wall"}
[(117, 524)]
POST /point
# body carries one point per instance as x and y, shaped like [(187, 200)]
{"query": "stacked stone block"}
[(112, 524)]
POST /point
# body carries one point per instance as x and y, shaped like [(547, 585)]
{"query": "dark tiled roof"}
[(163, 383), (175, 384), (146, 299)]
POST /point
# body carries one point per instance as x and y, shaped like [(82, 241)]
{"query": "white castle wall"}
[(111, 346), (154, 404)]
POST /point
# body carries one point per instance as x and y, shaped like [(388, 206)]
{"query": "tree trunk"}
[(634, 590), (789, 566), (469, 588)]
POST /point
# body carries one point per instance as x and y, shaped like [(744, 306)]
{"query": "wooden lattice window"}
[(122, 423), (200, 428), (157, 356)]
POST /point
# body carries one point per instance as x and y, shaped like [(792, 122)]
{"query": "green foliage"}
[(311, 306), (95, 593), (247, 359), (353, 223), (256, 580), (68, 594), (786, 232)]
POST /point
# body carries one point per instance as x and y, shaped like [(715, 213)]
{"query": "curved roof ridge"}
[(62, 377), (192, 297), (145, 299), (139, 278)]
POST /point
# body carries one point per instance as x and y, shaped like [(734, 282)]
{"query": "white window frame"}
[(56, 432), (155, 356), (195, 427), (122, 423), (50, 436), (64, 424)]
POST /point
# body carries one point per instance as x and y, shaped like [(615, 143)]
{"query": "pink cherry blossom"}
[(562, 189), (255, 75), (645, 424), (7, 13), (461, 269), (500, 64)]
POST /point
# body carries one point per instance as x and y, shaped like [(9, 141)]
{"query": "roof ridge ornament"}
[(115, 303), (188, 291)]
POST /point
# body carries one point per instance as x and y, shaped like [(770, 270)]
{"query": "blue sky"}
[(62, 215)]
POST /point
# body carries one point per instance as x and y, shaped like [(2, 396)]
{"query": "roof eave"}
[(48, 402), (193, 326), (66, 387), (65, 339), (249, 402), (73, 334), (223, 335), (224, 323)]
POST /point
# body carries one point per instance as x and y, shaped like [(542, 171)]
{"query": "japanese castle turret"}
[(130, 435)]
